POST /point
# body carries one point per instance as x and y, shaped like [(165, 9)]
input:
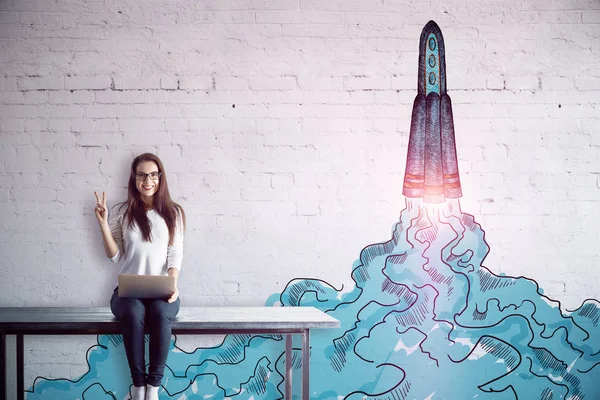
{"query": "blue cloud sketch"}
[(424, 320)]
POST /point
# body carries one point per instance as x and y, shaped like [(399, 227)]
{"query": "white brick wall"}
[(283, 126)]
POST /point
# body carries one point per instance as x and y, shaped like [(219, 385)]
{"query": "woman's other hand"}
[(174, 296)]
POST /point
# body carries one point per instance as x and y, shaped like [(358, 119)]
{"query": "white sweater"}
[(146, 258)]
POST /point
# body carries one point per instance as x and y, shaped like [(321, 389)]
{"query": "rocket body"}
[(431, 165)]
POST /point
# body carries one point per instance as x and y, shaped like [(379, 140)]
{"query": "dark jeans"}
[(157, 314)]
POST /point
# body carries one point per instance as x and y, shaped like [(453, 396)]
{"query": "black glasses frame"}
[(141, 176)]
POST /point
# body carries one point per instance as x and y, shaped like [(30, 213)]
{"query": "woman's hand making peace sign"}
[(101, 209), (110, 245)]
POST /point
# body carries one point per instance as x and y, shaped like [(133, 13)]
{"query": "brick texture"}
[(281, 117)]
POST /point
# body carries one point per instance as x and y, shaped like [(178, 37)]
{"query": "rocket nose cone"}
[(432, 62)]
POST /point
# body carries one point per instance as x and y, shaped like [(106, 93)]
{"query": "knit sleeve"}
[(175, 251), (116, 229)]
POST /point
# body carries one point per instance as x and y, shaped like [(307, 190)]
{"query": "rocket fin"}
[(415, 162), (452, 188)]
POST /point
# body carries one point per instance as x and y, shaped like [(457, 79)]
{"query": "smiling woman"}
[(146, 231)]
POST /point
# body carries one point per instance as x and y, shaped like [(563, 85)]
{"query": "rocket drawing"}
[(431, 165)]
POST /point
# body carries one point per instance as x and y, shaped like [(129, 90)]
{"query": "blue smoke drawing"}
[(424, 320)]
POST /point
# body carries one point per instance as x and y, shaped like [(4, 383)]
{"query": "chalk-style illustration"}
[(425, 318), (431, 163)]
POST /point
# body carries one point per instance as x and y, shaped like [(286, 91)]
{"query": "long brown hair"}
[(164, 206)]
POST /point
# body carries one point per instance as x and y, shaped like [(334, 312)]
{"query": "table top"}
[(40, 320)]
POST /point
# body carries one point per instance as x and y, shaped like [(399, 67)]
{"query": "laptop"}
[(146, 286)]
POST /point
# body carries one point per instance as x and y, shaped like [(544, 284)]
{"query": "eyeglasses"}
[(140, 176)]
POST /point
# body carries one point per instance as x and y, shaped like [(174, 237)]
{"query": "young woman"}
[(146, 232)]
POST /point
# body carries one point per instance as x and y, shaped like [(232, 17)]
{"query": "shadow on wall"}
[(424, 320)]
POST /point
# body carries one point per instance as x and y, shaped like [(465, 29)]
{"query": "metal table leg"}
[(305, 364), (3, 393), (288, 367), (20, 368)]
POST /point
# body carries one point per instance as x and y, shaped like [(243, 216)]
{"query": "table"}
[(287, 321)]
